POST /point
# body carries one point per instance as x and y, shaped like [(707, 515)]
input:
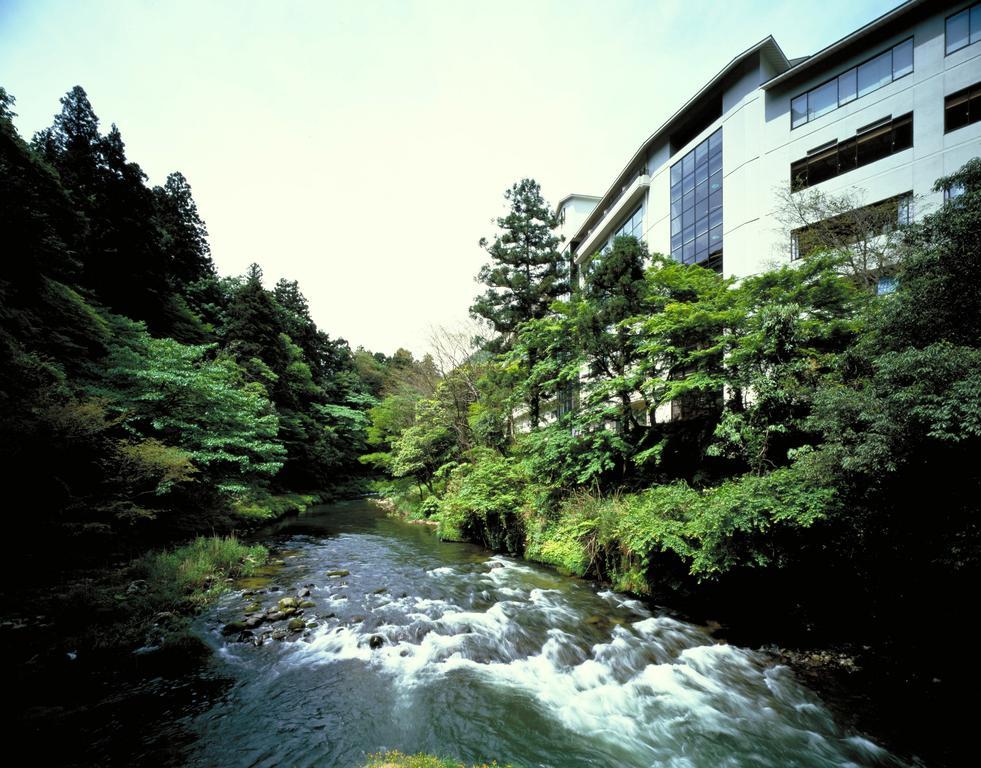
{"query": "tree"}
[(790, 328), (182, 396), (185, 237), (612, 304), (525, 275), (423, 448), (864, 236)]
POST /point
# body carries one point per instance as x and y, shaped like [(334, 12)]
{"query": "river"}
[(425, 646)]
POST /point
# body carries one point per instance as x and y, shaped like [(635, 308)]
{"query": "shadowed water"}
[(434, 647)]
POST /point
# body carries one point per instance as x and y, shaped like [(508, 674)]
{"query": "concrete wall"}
[(933, 154), (759, 145)]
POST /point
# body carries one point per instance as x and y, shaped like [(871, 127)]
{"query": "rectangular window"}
[(858, 81), (963, 28), (885, 286), (872, 75), (798, 111), (875, 144), (953, 192), (697, 231), (962, 108), (902, 59), (958, 30), (822, 100), (904, 209), (632, 226), (863, 223), (847, 86)]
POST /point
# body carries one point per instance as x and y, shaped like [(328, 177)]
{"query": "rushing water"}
[(481, 657)]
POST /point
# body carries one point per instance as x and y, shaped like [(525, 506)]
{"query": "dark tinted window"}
[(962, 108), (696, 205), (881, 70), (867, 147)]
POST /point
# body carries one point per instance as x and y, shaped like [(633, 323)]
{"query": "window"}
[(904, 209), (953, 192), (858, 81), (962, 108), (964, 28), (864, 223), (874, 74), (696, 205), (885, 286), (874, 143), (632, 227)]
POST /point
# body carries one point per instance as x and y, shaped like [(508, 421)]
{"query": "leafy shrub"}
[(484, 501)]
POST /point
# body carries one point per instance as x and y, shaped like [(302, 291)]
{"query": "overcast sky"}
[(362, 148)]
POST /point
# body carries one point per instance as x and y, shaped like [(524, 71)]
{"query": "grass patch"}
[(399, 760), (405, 500), (193, 575), (269, 507), (148, 602)]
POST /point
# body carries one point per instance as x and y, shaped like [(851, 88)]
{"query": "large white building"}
[(884, 112)]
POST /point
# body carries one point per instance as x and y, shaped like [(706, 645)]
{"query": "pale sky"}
[(363, 148)]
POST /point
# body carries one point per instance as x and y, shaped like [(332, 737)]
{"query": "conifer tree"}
[(526, 273)]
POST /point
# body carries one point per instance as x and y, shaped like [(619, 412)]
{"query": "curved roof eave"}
[(767, 45), (858, 34)]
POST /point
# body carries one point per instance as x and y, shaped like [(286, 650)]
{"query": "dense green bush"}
[(485, 501)]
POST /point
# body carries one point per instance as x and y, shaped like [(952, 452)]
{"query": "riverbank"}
[(901, 693), (91, 615)]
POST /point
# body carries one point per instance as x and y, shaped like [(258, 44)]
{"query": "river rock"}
[(233, 627), (279, 634), (380, 590), (296, 625), (275, 615), (287, 602), (376, 642), (307, 604), (305, 592), (338, 573), (253, 621), (253, 608)]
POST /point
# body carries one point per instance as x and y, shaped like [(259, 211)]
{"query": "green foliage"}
[(195, 573), (485, 501), (745, 522), (572, 452), (395, 759), (183, 396), (525, 275), (260, 507), (796, 321), (420, 450)]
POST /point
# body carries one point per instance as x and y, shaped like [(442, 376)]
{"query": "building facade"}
[(881, 113)]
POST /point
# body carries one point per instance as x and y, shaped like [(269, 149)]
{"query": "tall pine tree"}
[(526, 273)]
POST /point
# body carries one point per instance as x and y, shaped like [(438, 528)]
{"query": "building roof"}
[(575, 195), (799, 66), (767, 46)]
